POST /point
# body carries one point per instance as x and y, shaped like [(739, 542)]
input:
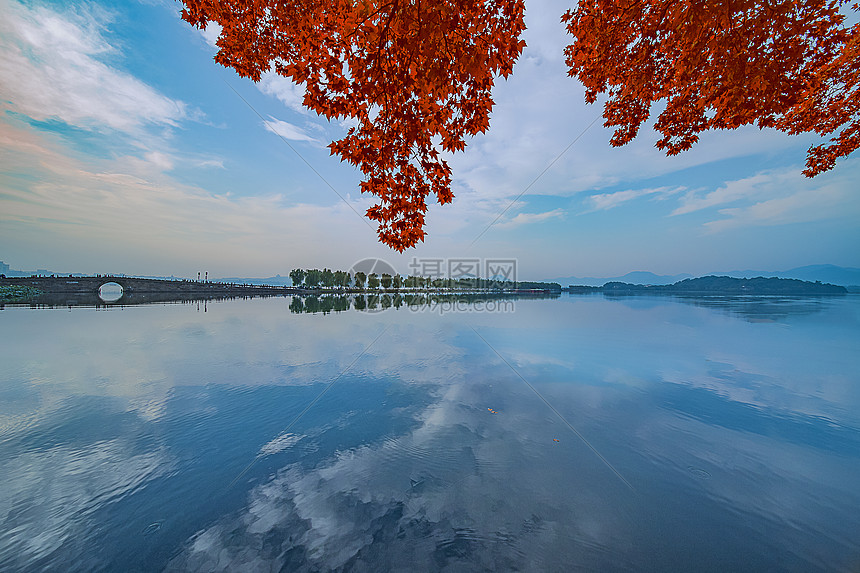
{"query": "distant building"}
[(4, 268)]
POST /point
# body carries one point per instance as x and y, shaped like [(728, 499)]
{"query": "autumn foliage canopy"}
[(415, 78)]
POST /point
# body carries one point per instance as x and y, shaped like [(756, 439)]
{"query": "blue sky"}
[(123, 148)]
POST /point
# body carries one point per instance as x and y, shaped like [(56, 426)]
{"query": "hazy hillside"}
[(832, 274), (845, 276), (730, 285), (635, 277)]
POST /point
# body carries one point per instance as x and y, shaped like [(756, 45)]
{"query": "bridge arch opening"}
[(110, 292)]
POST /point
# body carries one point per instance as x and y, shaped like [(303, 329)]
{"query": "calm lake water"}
[(582, 433)]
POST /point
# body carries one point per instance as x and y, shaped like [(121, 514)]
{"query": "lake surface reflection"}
[(631, 433)]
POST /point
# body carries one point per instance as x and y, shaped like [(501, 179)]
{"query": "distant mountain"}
[(844, 276), (276, 280), (10, 272), (729, 285), (832, 274), (635, 277)]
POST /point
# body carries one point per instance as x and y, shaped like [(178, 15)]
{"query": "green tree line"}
[(326, 278)]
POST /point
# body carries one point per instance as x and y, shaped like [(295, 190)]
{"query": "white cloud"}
[(755, 186), (279, 444), (775, 197), (52, 67), (126, 211), (57, 491), (210, 33), (283, 89), (530, 218), (218, 163), (606, 201), (288, 130), (806, 205), (160, 160)]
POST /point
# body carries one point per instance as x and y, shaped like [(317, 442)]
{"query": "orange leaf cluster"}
[(720, 64), (415, 77)]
